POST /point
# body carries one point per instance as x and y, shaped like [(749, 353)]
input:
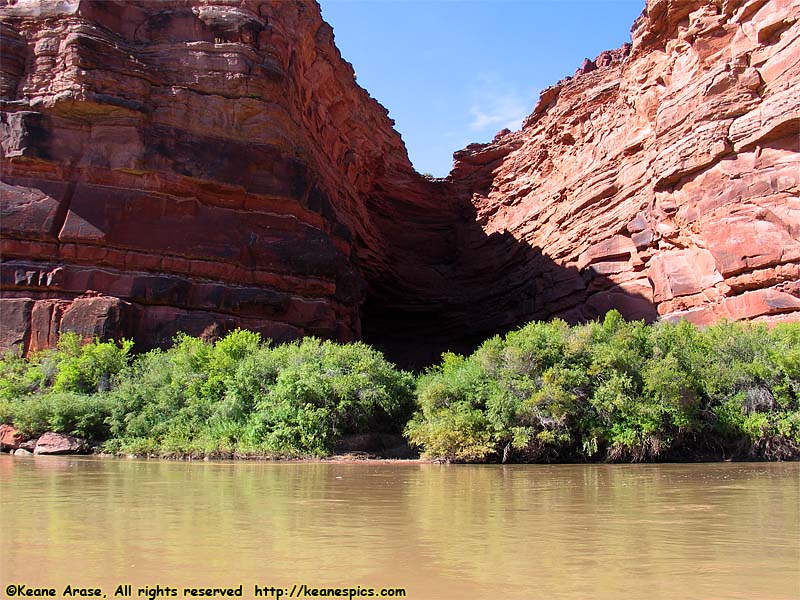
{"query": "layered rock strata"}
[(192, 166), (663, 179), (199, 165)]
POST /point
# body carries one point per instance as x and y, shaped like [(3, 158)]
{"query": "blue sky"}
[(455, 72)]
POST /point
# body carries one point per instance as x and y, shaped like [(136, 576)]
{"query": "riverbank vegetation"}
[(611, 390), (616, 390), (239, 395)]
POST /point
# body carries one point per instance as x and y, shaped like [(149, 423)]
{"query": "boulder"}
[(10, 438), (29, 445), (59, 443)]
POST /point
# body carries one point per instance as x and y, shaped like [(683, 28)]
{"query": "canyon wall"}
[(199, 165), (192, 166), (663, 178)]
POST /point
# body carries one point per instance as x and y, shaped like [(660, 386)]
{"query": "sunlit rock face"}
[(662, 179), (201, 165)]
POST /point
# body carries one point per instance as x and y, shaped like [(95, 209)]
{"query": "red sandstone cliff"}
[(203, 164), (190, 165), (662, 179)]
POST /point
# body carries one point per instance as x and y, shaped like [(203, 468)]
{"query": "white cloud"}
[(497, 105), (500, 111)]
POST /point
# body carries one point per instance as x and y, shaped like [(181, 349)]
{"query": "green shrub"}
[(325, 391), (22, 376), (457, 433), (91, 367), (62, 412), (610, 390), (615, 390), (240, 394)]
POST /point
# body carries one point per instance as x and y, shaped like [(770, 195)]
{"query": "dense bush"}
[(615, 390), (242, 395), (64, 389), (610, 390), (71, 367), (83, 415), (236, 395)]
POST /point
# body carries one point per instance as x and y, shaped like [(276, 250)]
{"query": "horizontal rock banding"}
[(666, 174), (168, 155), (202, 165)]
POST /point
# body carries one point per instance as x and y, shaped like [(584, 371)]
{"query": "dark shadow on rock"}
[(485, 285)]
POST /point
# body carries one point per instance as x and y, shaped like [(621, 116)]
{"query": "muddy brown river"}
[(705, 531)]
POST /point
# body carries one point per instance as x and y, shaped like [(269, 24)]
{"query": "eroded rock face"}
[(198, 165), (189, 166), (663, 179)]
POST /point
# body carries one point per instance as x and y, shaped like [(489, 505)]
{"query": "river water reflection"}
[(704, 531)]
